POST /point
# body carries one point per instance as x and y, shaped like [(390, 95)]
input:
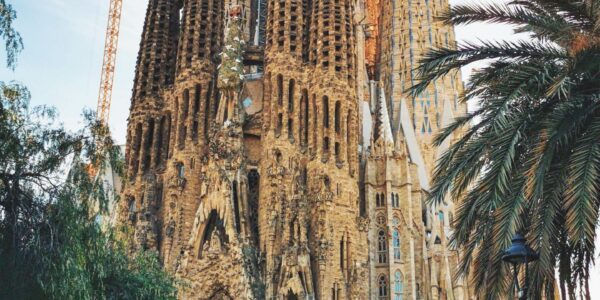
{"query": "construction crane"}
[(109, 61)]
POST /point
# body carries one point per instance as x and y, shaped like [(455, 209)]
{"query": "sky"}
[(62, 59)]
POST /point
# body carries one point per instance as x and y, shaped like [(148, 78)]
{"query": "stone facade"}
[(273, 151)]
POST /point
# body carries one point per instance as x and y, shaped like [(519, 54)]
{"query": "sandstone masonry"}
[(273, 151)]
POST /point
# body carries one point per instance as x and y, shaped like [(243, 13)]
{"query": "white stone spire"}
[(385, 129)]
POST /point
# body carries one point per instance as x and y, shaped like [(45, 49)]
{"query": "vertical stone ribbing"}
[(199, 45), (201, 35), (285, 129), (155, 64)]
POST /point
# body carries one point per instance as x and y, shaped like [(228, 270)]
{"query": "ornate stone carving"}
[(213, 247), (276, 171), (323, 250), (363, 223)]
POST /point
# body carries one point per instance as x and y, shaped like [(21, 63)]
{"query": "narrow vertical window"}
[(314, 123), (280, 90), (180, 171), (349, 145), (325, 112), (342, 254), (382, 287), (148, 141), (160, 142), (291, 91), (236, 207), (396, 244), (290, 126), (135, 158), (337, 120), (398, 288), (196, 111), (279, 125), (304, 118), (381, 247), (167, 143)]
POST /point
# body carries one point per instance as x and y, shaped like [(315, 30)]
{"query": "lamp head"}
[(519, 252)]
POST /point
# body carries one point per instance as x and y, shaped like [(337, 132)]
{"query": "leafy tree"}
[(530, 162), (12, 39), (50, 243), (51, 246)]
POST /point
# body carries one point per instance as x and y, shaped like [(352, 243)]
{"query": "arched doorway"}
[(220, 295), (291, 295)]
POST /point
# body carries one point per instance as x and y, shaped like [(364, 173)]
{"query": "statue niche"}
[(214, 239), (220, 295)]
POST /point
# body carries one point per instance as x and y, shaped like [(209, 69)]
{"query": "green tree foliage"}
[(530, 162), (12, 39), (51, 245)]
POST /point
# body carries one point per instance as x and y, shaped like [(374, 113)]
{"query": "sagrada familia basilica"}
[(274, 150)]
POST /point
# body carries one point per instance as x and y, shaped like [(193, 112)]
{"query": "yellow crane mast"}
[(109, 61)]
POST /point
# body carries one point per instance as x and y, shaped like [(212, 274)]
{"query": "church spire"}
[(384, 129)]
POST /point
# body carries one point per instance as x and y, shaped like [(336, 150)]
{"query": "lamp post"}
[(517, 254)]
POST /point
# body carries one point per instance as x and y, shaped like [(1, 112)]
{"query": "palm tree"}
[(528, 158)]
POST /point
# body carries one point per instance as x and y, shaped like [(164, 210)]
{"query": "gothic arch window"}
[(398, 286), (214, 231), (382, 287), (280, 90), (378, 200), (186, 103), (220, 295), (207, 112), (395, 200), (342, 259), (148, 140), (304, 117), (325, 112), (160, 141), (180, 170), (396, 244), (253, 196), (382, 248), (290, 128), (196, 106), (195, 112), (182, 119), (291, 295), (167, 137), (136, 148), (349, 145), (337, 121), (279, 124), (291, 91), (236, 206), (314, 122)]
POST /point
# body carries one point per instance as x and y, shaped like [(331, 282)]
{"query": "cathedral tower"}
[(148, 142), (273, 151)]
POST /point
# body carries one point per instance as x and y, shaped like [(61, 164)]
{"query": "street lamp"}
[(520, 253)]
